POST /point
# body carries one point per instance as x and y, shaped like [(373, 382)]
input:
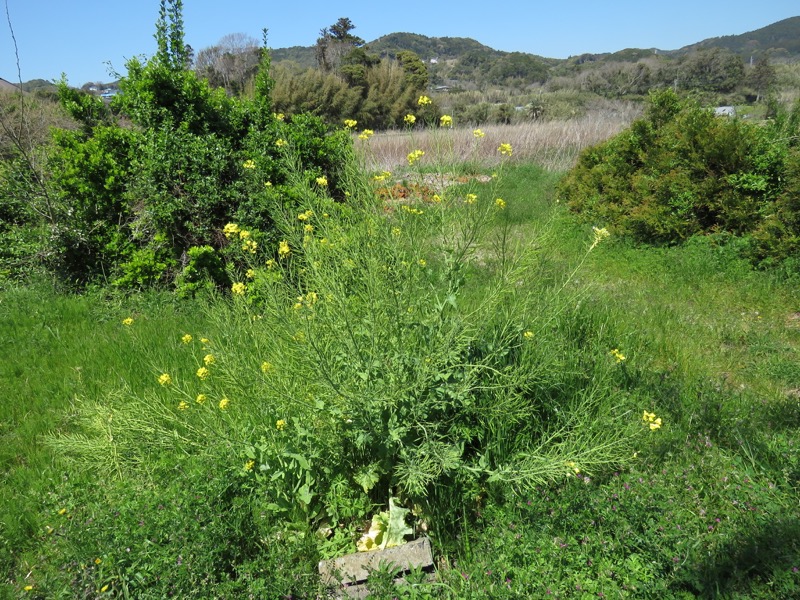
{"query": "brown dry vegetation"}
[(552, 144)]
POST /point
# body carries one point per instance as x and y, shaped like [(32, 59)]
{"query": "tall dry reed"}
[(554, 145)]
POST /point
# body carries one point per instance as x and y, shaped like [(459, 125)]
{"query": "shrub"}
[(680, 171)]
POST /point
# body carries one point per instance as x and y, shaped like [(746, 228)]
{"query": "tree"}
[(231, 63), (334, 42), (713, 70), (414, 70), (761, 77)]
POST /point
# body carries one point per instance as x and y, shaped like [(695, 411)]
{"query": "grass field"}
[(116, 486)]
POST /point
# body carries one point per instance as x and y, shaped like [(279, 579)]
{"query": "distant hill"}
[(779, 40)]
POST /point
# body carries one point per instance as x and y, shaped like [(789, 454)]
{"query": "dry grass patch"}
[(554, 145)]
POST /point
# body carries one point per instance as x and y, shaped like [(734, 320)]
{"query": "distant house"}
[(725, 111)]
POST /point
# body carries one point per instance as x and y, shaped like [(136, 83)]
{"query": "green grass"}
[(707, 508)]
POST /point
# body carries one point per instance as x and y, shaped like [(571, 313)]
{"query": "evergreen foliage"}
[(681, 171)]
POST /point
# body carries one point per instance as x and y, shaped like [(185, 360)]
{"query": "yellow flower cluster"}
[(203, 373), (471, 199), (500, 203), (575, 468), (322, 181), (249, 164), (280, 142), (415, 156), (238, 288), (280, 424), (201, 398), (383, 176), (187, 339), (411, 210), (409, 119), (127, 322), (209, 360), (248, 466), (652, 420), (600, 233), (305, 216), (249, 246), (618, 356), (366, 134), (183, 405), (424, 101), (308, 300), (445, 121), (165, 379), (505, 149), (436, 199), (250, 274), (283, 249), (528, 335), (478, 133), (230, 230), (350, 123), (266, 367), (224, 403), (278, 116)]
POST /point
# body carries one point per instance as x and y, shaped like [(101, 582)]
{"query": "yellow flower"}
[(104, 589), (600, 233), (97, 561), (187, 339), (422, 262), (283, 249), (322, 181), (646, 416), (436, 199), (250, 246), (266, 367), (305, 216), (203, 373), (423, 101), (209, 359), (250, 273), (248, 466), (205, 341), (127, 322), (165, 379), (28, 588), (244, 234), (415, 156), (382, 176), (505, 149), (471, 199), (280, 424), (350, 123), (201, 398), (223, 404), (500, 203), (249, 164), (619, 356), (280, 142), (238, 288), (409, 119), (445, 121), (366, 134), (230, 229), (63, 511), (183, 405), (278, 116), (271, 264), (268, 183), (528, 335), (573, 466), (655, 424), (478, 133), (396, 231), (308, 228)]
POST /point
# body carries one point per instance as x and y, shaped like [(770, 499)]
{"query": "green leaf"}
[(397, 528)]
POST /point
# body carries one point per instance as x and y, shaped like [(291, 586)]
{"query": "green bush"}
[(680, 171)]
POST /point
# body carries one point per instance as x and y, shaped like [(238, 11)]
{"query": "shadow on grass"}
[(766, 555)]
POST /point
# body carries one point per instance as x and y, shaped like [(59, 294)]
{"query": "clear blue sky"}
[(78, 38)]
